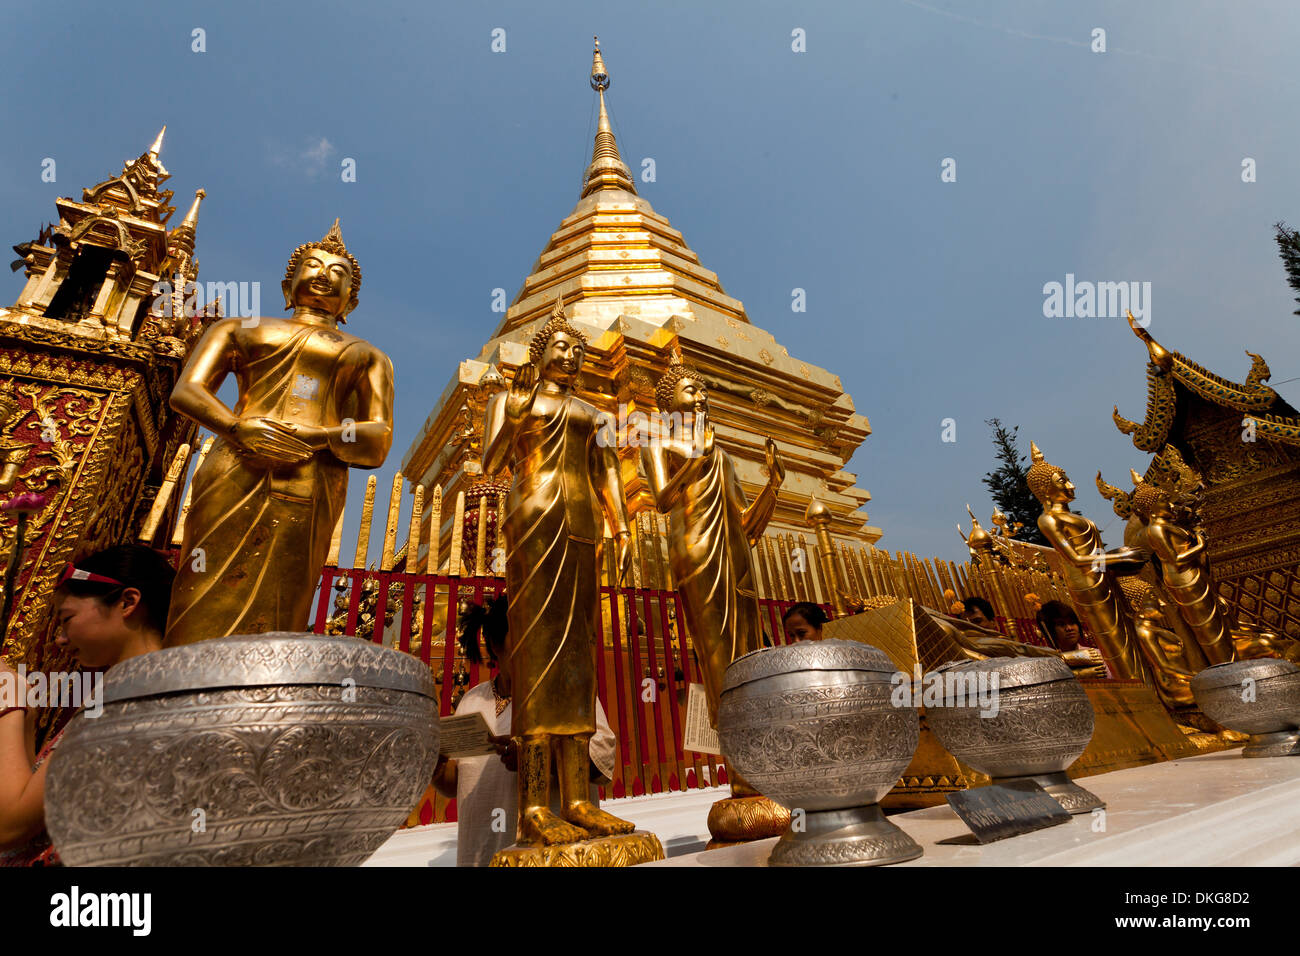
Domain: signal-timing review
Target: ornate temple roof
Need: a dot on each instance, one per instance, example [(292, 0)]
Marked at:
[(1272, 417)]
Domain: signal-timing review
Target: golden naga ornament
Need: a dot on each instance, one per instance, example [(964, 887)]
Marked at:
[(1090, 573), (711, 529), (313, 401), (564, 476)]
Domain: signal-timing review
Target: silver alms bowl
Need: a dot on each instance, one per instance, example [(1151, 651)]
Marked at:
[(1038, 723), (1257, 697), (812, 726), (268, 749)]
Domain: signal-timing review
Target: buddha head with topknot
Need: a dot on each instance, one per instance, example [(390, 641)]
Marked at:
[(681, 389), (1048, 483), (558, 348), (323, 277), (1148, 498)]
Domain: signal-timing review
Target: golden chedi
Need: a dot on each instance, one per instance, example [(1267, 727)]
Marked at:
[(711, 529), (313, 401), (565, 480)]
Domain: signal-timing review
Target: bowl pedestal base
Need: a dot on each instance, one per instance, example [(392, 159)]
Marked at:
[(859, 836), (1283, 743)]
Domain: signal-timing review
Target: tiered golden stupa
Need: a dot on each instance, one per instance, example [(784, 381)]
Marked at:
[(1242, 439), (88, 356), (637, 291)]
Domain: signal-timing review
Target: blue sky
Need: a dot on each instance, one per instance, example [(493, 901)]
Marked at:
[(817, 170)]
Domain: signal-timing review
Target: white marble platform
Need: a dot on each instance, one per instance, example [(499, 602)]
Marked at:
[(1212, 810)]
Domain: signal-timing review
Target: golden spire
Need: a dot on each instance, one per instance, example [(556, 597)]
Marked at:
[(156, 148), (192, 217), (1035, 455), (181, 239), (607, 169)]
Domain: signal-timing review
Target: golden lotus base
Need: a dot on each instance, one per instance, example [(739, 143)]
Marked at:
[(742, 819), (623, 849)]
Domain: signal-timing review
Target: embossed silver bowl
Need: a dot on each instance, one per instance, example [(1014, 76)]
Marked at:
[(270, 749), (1257, 697), (812, 726), (1016, 719)]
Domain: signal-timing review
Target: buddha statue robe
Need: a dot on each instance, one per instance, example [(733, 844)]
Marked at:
[(258, 531)]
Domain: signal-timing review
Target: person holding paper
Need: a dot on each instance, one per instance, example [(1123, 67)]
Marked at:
[(486, 788)]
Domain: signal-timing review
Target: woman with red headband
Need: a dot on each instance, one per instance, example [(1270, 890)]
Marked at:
[(109, 607)]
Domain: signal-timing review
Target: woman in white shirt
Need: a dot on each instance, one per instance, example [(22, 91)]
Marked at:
[(486, 788)]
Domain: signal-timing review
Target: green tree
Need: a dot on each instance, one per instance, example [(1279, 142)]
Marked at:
[(1009, 486), (1288, 247)]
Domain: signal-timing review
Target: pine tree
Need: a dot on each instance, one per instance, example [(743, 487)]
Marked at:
[(1288, 246), (1009, 486)]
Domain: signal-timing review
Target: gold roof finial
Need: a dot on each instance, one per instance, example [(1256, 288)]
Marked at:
[(607, 169), (1161, 357), (156, 148)]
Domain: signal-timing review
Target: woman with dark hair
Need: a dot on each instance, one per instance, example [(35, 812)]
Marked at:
[(803, 622), (486, 789), (1060, 625), (108, 607)]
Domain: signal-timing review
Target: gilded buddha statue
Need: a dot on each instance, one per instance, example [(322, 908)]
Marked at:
[(563, 479), (1090, 573), (313, 401), (711, 526), (711, 529), (1180, 550)]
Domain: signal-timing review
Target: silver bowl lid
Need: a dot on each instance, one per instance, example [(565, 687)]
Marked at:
[(259, 660), (1017, 671), (826, 655), (1234, 672)]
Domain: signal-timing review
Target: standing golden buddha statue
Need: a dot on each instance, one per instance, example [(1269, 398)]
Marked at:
[(313, 401), (711, 529), (563, 478), (1090, 573)]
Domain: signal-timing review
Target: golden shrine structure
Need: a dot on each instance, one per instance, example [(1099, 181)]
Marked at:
[(89, 353)]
